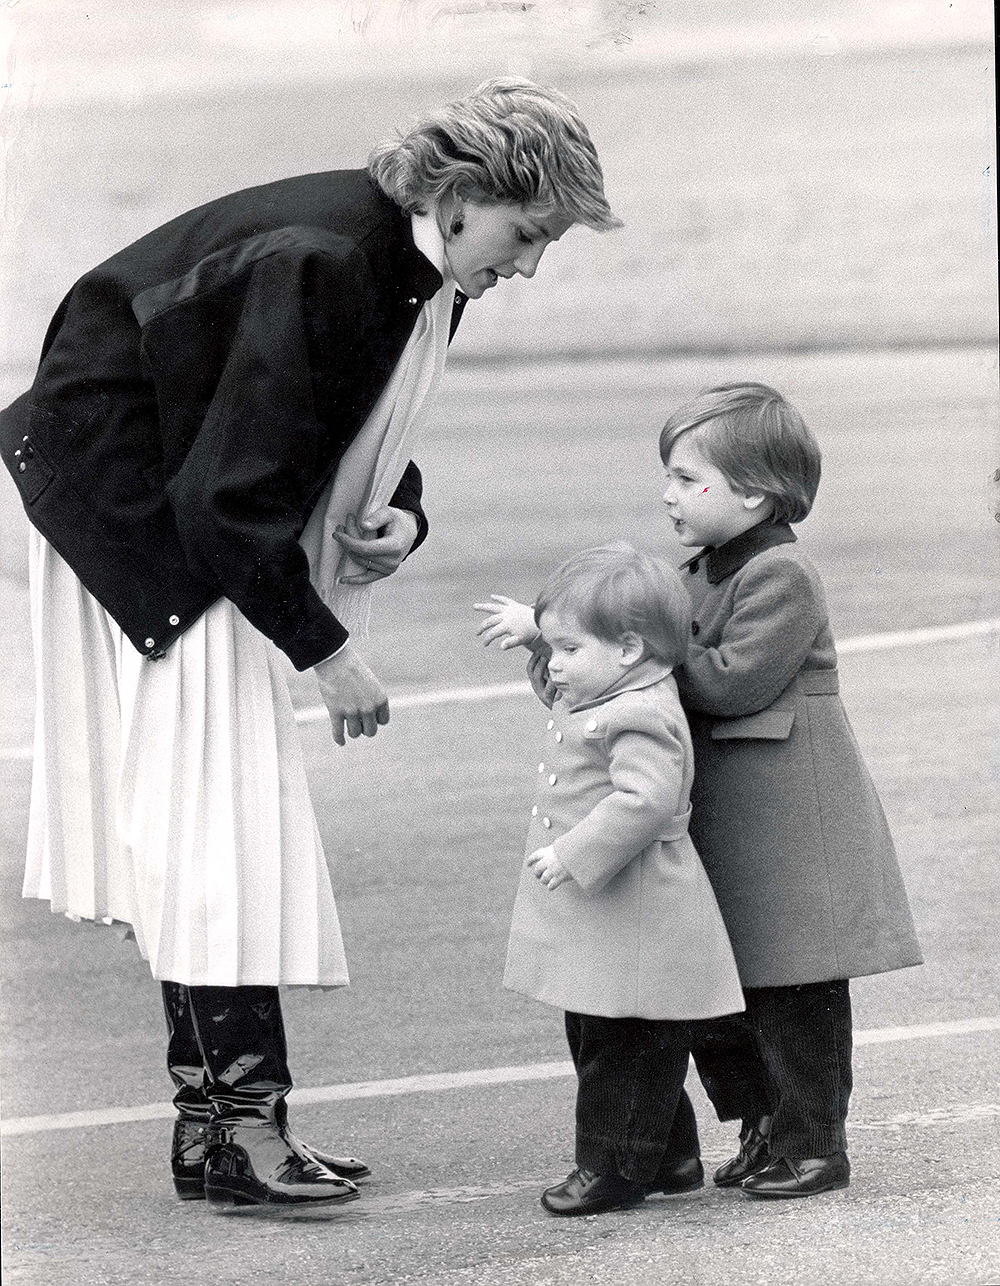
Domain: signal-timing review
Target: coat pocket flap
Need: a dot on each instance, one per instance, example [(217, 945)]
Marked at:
[(766, 725)]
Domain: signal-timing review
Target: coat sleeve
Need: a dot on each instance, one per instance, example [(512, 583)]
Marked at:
[(241, 491), (646, 770), (778, 612)]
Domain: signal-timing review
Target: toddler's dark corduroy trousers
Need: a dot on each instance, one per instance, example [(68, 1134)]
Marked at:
[(633, 1117)]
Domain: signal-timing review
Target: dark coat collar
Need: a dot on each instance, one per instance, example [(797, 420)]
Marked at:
[(722, 561)]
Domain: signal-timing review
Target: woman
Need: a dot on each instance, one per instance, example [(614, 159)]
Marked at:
[(214, 457)]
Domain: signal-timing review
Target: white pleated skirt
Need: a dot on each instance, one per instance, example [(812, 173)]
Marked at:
[(171, 795)]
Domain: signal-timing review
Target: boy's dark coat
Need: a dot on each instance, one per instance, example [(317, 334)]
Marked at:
[(196, 392), (785, 816)]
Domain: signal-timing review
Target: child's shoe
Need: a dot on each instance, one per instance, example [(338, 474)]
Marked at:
[(752, 1156), (586, 1193), (787, 1177)]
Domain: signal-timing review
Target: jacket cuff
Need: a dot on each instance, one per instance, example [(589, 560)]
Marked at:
[(317, 643)]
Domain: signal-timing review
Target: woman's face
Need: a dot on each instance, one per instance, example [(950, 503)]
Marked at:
[(498, 241)]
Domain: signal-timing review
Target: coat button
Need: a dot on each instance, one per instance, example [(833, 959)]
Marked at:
[(29, 451), (534, 811), (592, 725), (412, 299), (553, 779), (21, 467), (695, 628), (551, 724), (541, 767), (175, 620), (151, 642), (559, 736), (546, 822)]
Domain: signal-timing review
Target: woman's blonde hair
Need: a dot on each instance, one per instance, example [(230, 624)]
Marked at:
[(508, 142), (757, 440), (614, 590)]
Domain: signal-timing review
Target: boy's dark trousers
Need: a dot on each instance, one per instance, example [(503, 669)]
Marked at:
[(633, 1117), (787, 1057)]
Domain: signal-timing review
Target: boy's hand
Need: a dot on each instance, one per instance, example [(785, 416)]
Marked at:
[(510, 621), (538, 676), (379, 543), (545, 866)]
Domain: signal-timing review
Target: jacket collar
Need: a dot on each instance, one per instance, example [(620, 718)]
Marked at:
[(642, 675), (723, 560)]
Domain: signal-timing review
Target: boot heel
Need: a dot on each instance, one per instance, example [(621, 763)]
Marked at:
[(189, 1189)]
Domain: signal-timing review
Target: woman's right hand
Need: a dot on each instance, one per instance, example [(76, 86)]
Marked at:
[(354, 697), (510, 621)]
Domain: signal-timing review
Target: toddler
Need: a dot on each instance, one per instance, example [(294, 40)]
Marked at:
[(615, 921)]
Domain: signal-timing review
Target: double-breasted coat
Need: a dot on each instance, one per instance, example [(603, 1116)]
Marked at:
[(785, 815), (198, 390), (637, 931)]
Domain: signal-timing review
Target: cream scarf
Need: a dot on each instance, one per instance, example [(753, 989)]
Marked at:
[(373, 464)]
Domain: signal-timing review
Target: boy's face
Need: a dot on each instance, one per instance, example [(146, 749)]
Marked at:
[(703, 507), (582, 666)]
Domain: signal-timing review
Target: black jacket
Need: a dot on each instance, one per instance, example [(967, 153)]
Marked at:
[(197, 391)]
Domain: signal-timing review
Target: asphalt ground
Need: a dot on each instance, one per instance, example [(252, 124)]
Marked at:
[(424, 827)]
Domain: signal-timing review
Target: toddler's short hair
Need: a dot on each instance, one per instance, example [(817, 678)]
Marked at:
[(757, 440), (614, 590)]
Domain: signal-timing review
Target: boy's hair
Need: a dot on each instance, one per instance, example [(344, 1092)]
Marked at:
[(508, 142), (757, 440), (614, 590)]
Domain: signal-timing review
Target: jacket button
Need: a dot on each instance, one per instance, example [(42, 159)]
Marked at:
[(151, 642), (695, 628), (21, 467), (412, 299), (29, 451), (541, 767), (553, 779), (592, 725), (546, 822), (551, 724), (559, 736), (534, 811), (175, 620)]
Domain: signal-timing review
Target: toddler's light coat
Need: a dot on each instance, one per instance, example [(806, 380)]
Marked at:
[(637, 932)]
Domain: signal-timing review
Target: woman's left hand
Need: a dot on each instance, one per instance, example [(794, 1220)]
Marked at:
[(379, 542)]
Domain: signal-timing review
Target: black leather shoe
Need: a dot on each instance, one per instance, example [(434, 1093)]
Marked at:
[(586, 1193), (787, 1177), (261, 1164), (686, 1176), (752, 1156)]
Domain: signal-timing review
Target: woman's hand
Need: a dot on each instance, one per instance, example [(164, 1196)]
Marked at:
[(379, 543), (510, 621), (545, 866), (354, 697)]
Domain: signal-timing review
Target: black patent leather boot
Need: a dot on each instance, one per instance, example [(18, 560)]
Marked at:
[(187, 1071), (253, 1159)]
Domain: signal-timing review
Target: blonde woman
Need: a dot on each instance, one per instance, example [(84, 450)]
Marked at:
[(215, 457)]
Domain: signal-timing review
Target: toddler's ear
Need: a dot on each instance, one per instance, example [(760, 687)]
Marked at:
[(632, 648)]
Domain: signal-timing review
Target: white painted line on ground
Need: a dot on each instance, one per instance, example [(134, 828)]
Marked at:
[(439, 1082), (846, 647), (496, 691)]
